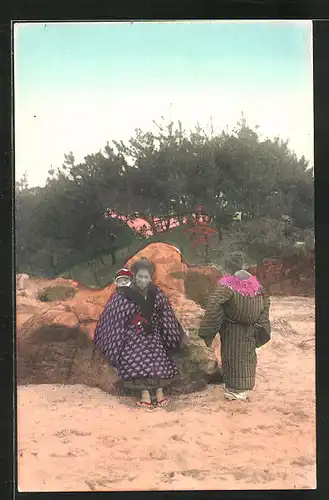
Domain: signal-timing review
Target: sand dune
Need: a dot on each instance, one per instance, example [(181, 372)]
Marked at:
[(74, 438)]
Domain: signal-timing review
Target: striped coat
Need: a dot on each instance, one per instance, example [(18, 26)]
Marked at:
[(242, 319)]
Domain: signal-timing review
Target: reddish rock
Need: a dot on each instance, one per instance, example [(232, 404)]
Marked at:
[(33, 306), (58, 314), (21, 281), (102, 296), (54, 345), (26, 308), (21, 319), (30, 287), (188, 312), (291, 276), (86, 310), (58, 354), (211, 272), (200, 282), (89, 328)]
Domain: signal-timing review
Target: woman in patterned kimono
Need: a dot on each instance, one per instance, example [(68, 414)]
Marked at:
[(239, 310), (136, 332)]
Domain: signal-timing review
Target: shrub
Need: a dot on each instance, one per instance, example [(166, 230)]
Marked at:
[(53, 293)]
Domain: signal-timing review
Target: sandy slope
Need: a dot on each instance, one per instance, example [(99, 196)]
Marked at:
[(76, 438)]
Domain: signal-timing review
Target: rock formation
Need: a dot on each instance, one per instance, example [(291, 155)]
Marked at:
[(60, 354), (168, 261), (54, 340), (289, 276)]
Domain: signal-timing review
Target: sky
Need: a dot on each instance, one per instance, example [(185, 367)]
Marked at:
[(79, 85)]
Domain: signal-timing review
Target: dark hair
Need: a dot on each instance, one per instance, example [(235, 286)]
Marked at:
[(234, 262), (142, 263)]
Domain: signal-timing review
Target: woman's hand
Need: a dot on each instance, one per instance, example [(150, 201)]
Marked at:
[(208, 342), (185, 336)]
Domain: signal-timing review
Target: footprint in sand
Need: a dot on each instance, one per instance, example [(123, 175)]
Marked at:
[(105, 482), (207, 433), (239, 474), (167, 424), (157, 453), (168, 477), (246, 430), (111, 440), (261, 427), (64, 433), (202, 445), (195, 473), (240, 410), (300, 416), (260, 476), (303, 461), (177, 437), (78, 452), (199, 474)]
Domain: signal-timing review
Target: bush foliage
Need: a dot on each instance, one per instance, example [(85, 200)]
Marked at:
[(258, 193), (53, 293)]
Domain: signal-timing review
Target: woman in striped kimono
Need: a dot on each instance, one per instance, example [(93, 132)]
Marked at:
[(239, 310)]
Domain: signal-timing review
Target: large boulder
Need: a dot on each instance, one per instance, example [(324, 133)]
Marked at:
[(26, 308), (59, 314), (55, 340), (31, 287), (187, 311), (59, 354), (199, 282), (197, 365), (87, 303)]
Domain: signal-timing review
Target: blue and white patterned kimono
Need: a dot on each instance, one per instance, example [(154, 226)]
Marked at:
[(136, 334)]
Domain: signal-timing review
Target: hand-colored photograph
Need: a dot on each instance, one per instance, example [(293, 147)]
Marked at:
[(165, 255)]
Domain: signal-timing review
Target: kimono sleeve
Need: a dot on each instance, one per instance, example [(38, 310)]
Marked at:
[(172, 331), (110, 332), (214, 315), (263, 325)]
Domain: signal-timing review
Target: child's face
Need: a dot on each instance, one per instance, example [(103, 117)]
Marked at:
[(123, 281)]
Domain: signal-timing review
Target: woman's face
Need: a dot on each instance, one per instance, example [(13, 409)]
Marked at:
[(143, 278)]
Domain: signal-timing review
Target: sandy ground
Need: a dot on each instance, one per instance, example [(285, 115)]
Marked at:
[(73, 438)]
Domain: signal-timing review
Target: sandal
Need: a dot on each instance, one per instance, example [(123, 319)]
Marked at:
[(145, 404), (163, 402), (231, 395)]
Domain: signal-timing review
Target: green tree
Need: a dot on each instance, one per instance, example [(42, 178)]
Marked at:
[(163, 176)]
